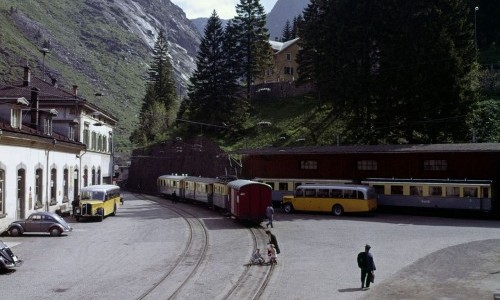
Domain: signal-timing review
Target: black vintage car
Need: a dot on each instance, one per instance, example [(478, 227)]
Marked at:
[(7, 259)]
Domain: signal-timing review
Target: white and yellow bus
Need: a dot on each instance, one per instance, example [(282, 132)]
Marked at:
[(98, 201), (334, 198)]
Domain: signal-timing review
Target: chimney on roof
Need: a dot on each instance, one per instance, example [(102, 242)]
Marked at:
[(34, 108), (54, 82), (75, 90), (27, 75)]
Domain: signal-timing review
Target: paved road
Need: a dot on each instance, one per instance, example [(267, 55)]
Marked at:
[(417, 257)]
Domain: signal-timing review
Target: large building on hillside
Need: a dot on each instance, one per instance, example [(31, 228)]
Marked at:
[(284, 64), (52, 142)]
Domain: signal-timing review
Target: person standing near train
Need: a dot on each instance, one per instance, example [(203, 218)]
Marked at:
[(270, 215), (273, 240)]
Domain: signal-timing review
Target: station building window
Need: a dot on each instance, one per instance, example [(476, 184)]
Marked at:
[(38, 188), (308, 165), (65, 185), (367, 165), (53, 186), (2, 189), (435, 165)]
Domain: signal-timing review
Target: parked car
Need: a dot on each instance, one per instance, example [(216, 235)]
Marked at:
[(7, 259), (40, 222)]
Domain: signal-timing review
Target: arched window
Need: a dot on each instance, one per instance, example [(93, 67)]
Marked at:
[(38, 188), (53, 186), (65, 185), (2, 191)]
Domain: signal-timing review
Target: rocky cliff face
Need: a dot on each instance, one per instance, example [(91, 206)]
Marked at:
[(101, 45)]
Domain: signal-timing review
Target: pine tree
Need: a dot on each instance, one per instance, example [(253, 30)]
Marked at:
[(159, 101), (207, 86), (253, 40), (295, 26), (286, 32)]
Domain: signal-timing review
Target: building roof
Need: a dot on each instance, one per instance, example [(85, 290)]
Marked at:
[(430, 148), (281, 46), (47, 92)]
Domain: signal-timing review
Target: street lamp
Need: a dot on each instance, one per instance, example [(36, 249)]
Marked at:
[(475, 26), (44, 51)]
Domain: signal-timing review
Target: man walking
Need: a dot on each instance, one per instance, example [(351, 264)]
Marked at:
[(367, 266), (270, 215)]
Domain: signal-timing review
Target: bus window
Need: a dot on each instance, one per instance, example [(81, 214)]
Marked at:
[(452, 191), (283, 186), (435, 191), (396, 190), (361, 195), (271, 184), (470, 192), (299, 193), (350, 194), (416, 190), (334, 193), (310, 193), (323, 193)]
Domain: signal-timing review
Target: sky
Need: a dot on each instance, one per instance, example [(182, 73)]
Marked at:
[(224, 8)]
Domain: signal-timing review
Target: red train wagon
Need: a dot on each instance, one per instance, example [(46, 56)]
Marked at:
[(248, 199)]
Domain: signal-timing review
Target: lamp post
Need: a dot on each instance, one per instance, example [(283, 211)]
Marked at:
[(44, 51), (475, 27)]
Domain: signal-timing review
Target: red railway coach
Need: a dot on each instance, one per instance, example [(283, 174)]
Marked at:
[(248, 199)]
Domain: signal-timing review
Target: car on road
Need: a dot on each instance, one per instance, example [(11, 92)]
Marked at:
[(48, 222), (7, 259)]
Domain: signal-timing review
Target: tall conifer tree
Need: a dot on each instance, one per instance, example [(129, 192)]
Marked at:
[(253, 40), (160, 98)]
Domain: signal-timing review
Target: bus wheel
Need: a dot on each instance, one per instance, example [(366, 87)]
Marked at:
[(101, 217), (337, 210), (288, 208)]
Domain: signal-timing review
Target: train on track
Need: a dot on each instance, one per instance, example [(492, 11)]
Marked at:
[(444, 194), (244, 199)]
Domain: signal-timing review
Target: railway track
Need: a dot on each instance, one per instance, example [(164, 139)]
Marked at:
[(253, 281), (186, 265), (250, 284)]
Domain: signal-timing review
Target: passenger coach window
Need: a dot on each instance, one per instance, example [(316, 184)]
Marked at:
[(416, 190), (452, 191), (283, 186), (435, 191), (486, 192), (379, 189), (470, 192), (396, 190)]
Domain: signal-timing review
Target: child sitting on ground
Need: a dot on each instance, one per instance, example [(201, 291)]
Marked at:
[(271, 253), (257, 257)]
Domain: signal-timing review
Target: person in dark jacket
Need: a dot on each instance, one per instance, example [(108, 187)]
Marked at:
[(273, 240), (367, 268)]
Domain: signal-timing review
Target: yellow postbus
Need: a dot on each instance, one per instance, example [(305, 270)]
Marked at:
[(334, 198), (98, 201)]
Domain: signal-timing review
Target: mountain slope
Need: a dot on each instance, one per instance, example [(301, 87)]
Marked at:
[(101, 46), (283, 10)]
